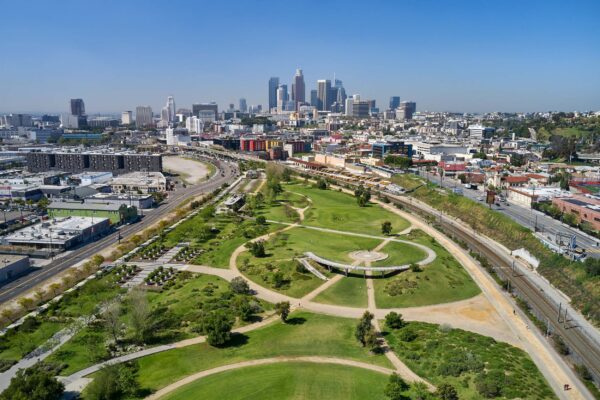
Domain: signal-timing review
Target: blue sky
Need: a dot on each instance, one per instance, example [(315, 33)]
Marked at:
[(467, 56)]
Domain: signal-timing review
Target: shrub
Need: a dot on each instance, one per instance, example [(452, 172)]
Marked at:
[(394, 320), (407, 335)]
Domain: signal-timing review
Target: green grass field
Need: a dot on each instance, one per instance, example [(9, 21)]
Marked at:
[(400, 254), (285, 246), (442, 281), (287, 381), (457, 357), (305, 334), (350, 291), (87, 347), (336, 210)]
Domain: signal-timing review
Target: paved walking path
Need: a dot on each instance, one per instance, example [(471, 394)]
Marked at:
[(265, 361)]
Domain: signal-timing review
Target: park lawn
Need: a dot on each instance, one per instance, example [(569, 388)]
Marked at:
[(287, 381), (400, 254), (217, 251), (350, 291), (336, 210), (284, 247), (19, 342), (436, 348), (305, 334), (87, 347), (278, 210), (442, 281)]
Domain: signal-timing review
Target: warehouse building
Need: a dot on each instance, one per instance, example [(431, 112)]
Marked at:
[(117, 163), (13, 266)]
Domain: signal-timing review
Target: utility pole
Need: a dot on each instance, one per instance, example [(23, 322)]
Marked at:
[(559, 311)]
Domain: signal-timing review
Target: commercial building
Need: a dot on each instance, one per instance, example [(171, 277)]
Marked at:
[(298, 88), (361, 109), (12, 266), (252, 144), (59, 234), (585, 208), (77, 107), (61, 209), (143, 117), (16, 120), (273, 85), (406, 110), (127, 117), (394, 102), (381, 149), (324, 99), (139, 201), (196, 108), (480, 132), (117, 163), (139, 182)]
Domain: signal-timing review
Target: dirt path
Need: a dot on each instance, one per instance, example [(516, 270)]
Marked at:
[(265, 361), (550, 364)]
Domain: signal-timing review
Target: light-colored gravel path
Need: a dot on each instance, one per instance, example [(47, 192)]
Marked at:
[(265, 361)]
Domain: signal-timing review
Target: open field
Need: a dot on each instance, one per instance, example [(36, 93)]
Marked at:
[(350, 291), (190, 171), (305, 334), (442, 281), (284, 247), (461, 358), (400, 254), (336, 210), (293, 380)]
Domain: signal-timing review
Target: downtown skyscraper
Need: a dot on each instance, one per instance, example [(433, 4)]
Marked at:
[(273, 85), (298, 88), (77, 107), (324, 93)]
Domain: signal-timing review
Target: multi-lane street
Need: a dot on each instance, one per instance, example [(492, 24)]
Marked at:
[(225, 173), (530, 218)]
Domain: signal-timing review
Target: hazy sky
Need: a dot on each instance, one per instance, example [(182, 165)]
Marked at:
[(445, 55)]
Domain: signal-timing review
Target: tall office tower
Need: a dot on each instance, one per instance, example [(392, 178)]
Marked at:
[(314, 98), (126, 117), (164, 116), (394, 102), (282, 97), (407, 109), (77, 107), (348, 106), (243, 105), (298, 88), (273, 85), (171, 109), (360, 109), (212, 106), (143, 116), (324, 94)]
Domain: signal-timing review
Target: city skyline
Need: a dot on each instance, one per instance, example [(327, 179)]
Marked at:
[(462, 58)]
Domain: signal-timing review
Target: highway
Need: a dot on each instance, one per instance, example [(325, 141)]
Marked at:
[(529, 218), (225, 173)]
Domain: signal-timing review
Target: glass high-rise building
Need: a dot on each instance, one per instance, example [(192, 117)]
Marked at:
[(394, 102), (324, 99), (77, 107), (298, 88), (273, 85)]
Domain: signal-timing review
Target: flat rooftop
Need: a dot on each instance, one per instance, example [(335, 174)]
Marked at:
[(57, 230)]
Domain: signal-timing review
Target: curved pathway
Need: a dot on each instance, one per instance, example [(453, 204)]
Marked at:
[(265, 361)]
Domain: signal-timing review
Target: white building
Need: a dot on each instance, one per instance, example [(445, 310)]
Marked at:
[(194, 125), (143, 116), (126, 117)]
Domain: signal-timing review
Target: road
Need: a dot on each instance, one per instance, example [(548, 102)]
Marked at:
[(530, 218), (225, 173)]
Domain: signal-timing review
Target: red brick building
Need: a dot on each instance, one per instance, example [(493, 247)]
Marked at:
[(585, 208)]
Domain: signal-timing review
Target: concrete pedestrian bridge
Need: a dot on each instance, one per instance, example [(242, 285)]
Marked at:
[(369, 256)]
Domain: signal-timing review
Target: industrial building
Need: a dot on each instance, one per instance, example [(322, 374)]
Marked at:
[(12, 266), (58, 234)]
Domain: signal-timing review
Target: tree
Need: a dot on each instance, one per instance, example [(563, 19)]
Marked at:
[(386, 227), (242, 308), (112, 319), (395, 388), (257, 248), (55, 287), (239, 285), (445, 391), (321, 184), (260, 220), (398, 161), (363, 327), (26, 302), (489, 385), (283, 310), (363, 196), (35, 383), (278, 279), (393, 320), (420, 390), (217, 326), (140, 313), (114, 381)]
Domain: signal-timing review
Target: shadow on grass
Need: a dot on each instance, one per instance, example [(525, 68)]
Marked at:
[(296, 321)]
